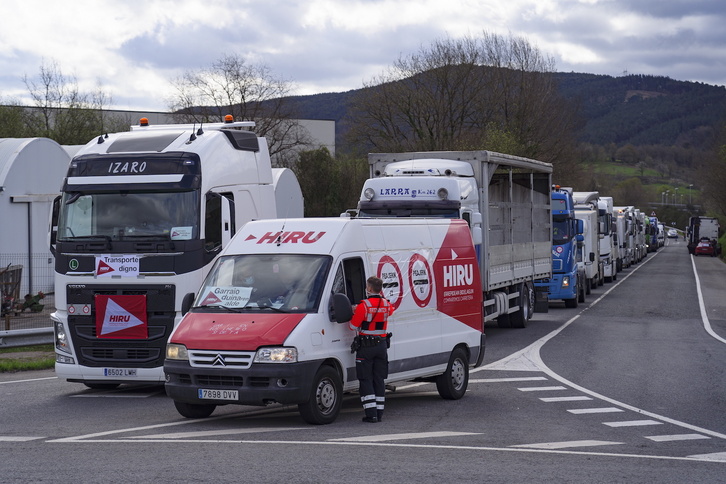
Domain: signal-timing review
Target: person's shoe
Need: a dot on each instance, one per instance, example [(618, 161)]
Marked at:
[(370, 419)]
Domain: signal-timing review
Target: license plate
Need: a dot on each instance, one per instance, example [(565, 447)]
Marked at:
[(120, 372), (207, 394)]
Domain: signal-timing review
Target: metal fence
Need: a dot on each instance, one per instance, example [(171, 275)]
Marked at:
[(38, 271), (27, 290)]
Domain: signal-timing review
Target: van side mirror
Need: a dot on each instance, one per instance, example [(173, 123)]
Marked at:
[(187, 303), (341, 307)]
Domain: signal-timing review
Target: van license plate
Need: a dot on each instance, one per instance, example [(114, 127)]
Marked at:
[(207, 394), (120, 372)]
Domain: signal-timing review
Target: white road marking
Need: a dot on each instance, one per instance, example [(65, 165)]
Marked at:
[(540, 389), (578, 398), (567, 445), (31, 379), (702, 305), (390, 437), (10, 438), (673, 438), (578, 411), (632, 423), (211, 433), (504, 380), (529, 359), (717, 457)]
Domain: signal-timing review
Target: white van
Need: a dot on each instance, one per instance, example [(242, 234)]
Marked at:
[(269, 324)]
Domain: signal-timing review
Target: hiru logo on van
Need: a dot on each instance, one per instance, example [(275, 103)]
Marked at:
[(117, 167), (293, 237), (458, 275)]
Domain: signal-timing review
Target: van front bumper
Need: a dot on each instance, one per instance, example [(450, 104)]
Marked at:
[(260, 384)]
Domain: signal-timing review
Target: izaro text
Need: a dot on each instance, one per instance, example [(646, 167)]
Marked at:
[(127, 167)]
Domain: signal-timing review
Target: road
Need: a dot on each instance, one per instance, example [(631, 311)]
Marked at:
[(628, 387)]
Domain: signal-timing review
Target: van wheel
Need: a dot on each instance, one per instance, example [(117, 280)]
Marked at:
[(326, 398), (193, 410), (452, 384), (523, 314)]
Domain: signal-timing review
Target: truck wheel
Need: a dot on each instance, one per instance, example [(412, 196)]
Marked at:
[(588, 286), (326, 398), (571, 303), (193, 410), (580, 291), (453, 382), (524, 313)]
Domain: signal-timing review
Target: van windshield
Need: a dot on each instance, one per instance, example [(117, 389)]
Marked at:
[(260, 282)]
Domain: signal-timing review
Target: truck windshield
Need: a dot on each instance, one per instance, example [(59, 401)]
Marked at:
[(561, 231), (129, 214), (257, 282)]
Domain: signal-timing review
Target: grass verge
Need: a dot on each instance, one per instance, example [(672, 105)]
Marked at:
[(38, 357)]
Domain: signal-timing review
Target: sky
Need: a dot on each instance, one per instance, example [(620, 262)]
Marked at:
[(133, 49)]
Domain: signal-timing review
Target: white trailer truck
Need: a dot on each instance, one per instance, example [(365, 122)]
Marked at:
[(588, 256), (142, 216), (505, 200)]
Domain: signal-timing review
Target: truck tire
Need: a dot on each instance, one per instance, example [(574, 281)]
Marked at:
[(194, 410), (452, 384), (524, 313), (580, 290), (326, 398), (571, 303)]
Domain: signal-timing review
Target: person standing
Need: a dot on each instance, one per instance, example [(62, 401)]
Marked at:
[(370, 320)]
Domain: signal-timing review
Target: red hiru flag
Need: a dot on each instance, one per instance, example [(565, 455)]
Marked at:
[(121, 317)]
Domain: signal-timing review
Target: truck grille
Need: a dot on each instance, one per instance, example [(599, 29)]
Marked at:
[(220, 359)]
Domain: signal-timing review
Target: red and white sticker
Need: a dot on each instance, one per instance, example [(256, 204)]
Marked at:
[(117, 265), (121, 317)]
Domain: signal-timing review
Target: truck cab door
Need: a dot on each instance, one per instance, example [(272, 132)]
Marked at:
[(53, 230), (218, 224)]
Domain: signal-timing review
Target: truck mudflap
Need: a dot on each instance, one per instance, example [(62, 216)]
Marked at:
[(258, 385)]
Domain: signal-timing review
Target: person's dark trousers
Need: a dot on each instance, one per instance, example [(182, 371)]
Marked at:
[(371, 366)]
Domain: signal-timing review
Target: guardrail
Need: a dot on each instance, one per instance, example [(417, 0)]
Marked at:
[(26, 337)]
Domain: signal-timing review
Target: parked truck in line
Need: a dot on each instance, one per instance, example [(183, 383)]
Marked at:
[(505, 200), (703, 234), (568, 277), (142, 217), (588, 254), (269, 325)]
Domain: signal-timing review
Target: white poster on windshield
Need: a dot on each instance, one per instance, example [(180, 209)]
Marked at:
[(231, 297), (117, 265)]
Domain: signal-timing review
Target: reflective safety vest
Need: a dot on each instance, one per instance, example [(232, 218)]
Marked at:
[(375, 322)]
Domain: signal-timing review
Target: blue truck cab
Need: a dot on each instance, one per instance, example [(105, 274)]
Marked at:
[(566, 282)]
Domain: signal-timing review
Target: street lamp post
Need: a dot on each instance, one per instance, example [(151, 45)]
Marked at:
[(690, 190), (675, 197)]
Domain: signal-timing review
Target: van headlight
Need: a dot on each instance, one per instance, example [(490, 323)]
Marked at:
[(176, 352), (276, 355)]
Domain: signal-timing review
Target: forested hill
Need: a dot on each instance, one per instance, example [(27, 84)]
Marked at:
[(632, 109)]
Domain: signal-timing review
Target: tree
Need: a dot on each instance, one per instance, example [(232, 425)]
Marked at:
[(469, 93), (61, 111), (12, 123), (249, 92)]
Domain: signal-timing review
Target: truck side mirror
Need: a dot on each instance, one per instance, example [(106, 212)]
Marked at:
[(592, 257), (580, 238), (53, 232), (187, 302), (580, 227), (342, 310)]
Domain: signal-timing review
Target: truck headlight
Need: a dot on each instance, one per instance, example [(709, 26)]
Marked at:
[(566, 281), (176, 352), (276, 355), (61, 338)]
